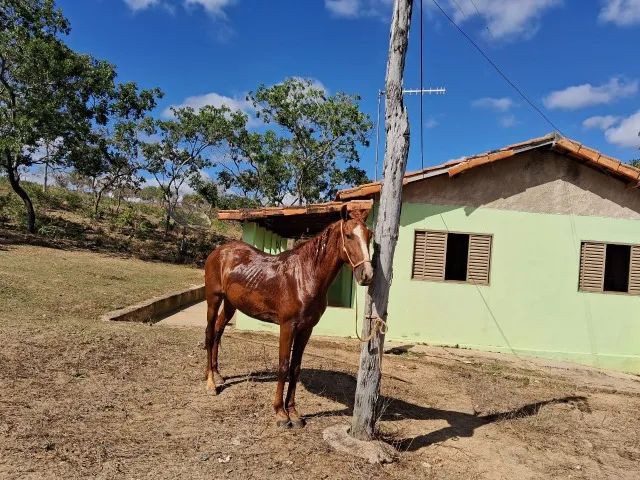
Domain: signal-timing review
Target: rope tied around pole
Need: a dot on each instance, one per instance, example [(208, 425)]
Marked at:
[(379, 325)]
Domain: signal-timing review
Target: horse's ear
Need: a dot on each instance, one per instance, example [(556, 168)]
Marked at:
[(344, 213)]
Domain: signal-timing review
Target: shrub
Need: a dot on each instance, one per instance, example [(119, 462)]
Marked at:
[(127, 218)]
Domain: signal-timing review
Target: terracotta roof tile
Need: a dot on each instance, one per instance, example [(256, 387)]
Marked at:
[(319, 208), (575, 150)]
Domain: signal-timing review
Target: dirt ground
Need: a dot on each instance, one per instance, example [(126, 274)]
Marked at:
[(81, 398)]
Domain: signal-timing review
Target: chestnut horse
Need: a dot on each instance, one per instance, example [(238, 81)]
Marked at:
[(289, 289)]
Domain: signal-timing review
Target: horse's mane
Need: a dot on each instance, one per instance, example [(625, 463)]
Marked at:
[(314, 246)]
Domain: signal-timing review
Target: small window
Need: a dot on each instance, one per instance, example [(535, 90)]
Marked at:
[(457, 257), (610, 267), (616, 268)]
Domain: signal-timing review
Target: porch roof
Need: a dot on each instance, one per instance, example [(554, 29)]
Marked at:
[(295, 221)]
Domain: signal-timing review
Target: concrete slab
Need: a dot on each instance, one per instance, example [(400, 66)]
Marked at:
[(193, 316)]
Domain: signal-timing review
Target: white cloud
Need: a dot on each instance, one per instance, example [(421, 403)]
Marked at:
[(214, 7), (601, 122), (505, 20), (625, 133), (198, 101), (508, 121), (431, 123), (315, 83), (136, 5), (343, 8), (621, 12), (586, 95), (359, 8), (502, 104)]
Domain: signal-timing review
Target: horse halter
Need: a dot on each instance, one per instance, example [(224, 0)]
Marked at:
[(344, 247)]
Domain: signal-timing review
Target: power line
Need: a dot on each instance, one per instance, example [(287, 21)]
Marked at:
[(497, 68), (480, 15), (421, 90), (464, 15)]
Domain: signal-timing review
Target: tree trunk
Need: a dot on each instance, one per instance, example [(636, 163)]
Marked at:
[(12, 174), (119, 200), (96, 203), (365, 410), (167, 220)]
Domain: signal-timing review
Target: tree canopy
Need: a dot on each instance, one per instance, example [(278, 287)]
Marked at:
[(307, 150), (186, 145), (51, 95)]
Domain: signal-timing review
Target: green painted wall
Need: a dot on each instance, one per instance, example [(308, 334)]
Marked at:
[(532, 305), (340, 291)]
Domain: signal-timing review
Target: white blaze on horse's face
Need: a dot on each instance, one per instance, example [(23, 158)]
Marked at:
[(364, 271)]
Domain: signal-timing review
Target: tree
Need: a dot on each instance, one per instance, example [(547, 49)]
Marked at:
[(314, 152), (151, 194), (186, 146), (48, 93), (257, 166), (217, 198), (636, 162), (110, 155), (366, 406)]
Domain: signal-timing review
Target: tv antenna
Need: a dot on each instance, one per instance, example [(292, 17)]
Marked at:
[(408, 91)]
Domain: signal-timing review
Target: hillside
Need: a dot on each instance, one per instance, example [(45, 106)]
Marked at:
[(131, 227)]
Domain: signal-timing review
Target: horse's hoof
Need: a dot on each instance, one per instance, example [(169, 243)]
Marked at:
[(299, 423), (284, 424), (218, 379), (213, 391)]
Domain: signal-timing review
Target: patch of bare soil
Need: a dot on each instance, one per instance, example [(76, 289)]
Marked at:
[(81, 398)]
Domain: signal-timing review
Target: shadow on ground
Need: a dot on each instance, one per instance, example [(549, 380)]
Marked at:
[(340, 387)]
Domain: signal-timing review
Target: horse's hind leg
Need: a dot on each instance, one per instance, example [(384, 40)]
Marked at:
[(226, 314), (213, 305)]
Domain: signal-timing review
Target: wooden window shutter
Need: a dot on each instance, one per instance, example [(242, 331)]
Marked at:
[(634, 271), (479, 260), (592, 260), (429, 252)]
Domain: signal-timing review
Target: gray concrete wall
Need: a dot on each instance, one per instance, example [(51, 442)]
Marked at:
[(534, 181), (156, 308)]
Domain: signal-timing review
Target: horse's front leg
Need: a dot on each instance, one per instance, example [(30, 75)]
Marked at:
[(299, 344), (286, 339), (213, 304)]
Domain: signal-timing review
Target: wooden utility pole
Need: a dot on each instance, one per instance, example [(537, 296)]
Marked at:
[(365, 409)]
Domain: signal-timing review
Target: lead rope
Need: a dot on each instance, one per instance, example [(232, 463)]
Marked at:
[(379, 325)]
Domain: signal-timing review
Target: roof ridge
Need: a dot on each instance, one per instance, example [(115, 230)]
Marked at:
[(457, 166)]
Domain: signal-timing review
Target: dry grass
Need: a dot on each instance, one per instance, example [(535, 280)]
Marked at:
[(81, 398)]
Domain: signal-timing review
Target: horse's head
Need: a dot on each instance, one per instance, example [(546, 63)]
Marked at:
[(355, 239)]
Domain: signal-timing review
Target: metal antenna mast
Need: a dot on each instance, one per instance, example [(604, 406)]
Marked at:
[(410, 91)]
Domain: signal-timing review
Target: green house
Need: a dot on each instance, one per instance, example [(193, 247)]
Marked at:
[(533, 248)]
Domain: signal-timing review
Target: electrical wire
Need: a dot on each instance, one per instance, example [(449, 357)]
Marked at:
[(421, 88), (464, 14), (498, 69), (480, 15)]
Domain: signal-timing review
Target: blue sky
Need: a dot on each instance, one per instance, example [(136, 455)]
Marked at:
[(577, 60)]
